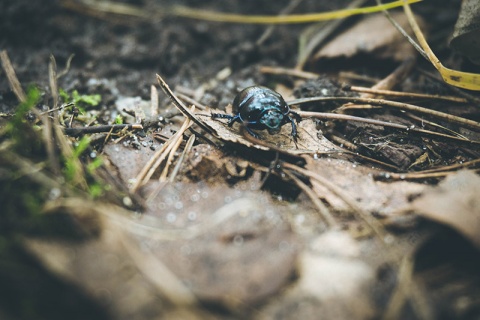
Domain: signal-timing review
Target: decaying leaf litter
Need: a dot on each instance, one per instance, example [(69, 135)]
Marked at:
[(194, 219)]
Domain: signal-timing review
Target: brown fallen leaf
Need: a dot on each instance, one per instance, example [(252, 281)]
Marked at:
[(455, 202), (373, 34), (310, 139), (128, 160), (229, 247), (334, 282), (466, 35), (356, 182)]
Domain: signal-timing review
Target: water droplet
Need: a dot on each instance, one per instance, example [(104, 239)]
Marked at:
[(238, 240), (299, 219), (315, 156), (93, 154), (195, 197), (270, 214), (127, 201), (387, 175), (389, 239), (178, 205), (205, 194), (402, 177), (171, 217), (54, 194), (192, 216)]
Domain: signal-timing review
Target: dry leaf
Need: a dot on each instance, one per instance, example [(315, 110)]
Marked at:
[(341, 284), (310, 140), (231, 247), (334, 283), (357, 183), (454, 202), (466, 36), (373, 34), (128, 160)]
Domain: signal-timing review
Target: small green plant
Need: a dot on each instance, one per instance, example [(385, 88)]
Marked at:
[(81, 101), (17, 122), (118, 119), (73, 169), (72, 163)]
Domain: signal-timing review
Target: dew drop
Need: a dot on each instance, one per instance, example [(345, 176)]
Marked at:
[(171, 217), (299, 219), (178, 205), (192, 216), (127, 201), (238, 240), (54, 194)]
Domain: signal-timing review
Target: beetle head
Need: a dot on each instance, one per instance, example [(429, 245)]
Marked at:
[(272, 119)]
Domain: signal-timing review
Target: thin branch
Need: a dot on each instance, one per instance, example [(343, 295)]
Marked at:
[(103, 128), (393, 104), (335, 116), (411, 95), (365, 216), (12, 77), (181, 107), (327, 216), (180, 160)]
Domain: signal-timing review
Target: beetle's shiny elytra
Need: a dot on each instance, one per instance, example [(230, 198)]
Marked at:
[(261, 108)]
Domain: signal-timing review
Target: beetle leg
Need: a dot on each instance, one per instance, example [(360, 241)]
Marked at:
[(294, 129), (221, 116), (297, 117), (233, 119), (253, 134)]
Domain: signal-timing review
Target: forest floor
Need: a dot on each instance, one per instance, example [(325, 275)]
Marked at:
[(115, 205)]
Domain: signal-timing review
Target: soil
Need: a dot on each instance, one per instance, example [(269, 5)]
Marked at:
[(233, 235)]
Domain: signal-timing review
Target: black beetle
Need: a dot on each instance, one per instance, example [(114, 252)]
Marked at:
[(261, 108)]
